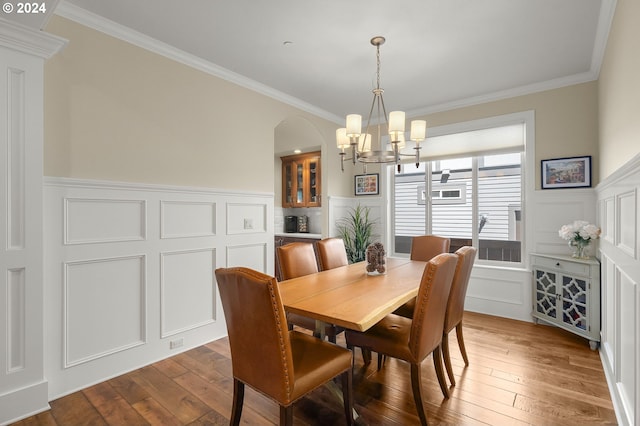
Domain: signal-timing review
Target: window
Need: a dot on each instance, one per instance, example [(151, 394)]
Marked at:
[(475, 199)]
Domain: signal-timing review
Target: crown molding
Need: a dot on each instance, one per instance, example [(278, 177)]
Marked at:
[(27, 40), (98, 23), (106, 26)]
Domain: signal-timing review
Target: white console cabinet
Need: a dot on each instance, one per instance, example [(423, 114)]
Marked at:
[(566, 293)]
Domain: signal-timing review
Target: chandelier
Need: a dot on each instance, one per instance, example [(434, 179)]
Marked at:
[(352, 137)]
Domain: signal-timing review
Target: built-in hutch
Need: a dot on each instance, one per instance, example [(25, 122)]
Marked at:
[(301, 185)]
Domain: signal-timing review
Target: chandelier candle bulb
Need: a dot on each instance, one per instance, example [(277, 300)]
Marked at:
[(364, 143), (418, 130), (342, 139), (396, 121), (354, 125)]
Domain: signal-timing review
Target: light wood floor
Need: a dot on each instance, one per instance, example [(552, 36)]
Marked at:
[(519, 373)]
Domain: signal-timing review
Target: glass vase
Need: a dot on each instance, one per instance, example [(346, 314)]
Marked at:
[(579, 249)]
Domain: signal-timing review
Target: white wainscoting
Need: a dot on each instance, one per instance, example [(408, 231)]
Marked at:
[(129, 272), (618, 216)]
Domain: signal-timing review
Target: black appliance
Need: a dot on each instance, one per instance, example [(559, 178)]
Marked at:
[(291, 224)]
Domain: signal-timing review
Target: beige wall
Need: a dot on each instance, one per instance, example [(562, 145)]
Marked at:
[(619, 90), (114, 111)]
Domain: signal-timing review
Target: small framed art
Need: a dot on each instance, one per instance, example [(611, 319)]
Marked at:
[(571, 172), (367, 184)]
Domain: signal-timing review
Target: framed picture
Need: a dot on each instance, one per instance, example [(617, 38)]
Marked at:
[(572, 172), (367, 184)]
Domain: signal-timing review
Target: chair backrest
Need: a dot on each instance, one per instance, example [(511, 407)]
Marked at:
[(296, 260), (455, 306), (260, 348), (431, 304), (332, 253), (426, 247)]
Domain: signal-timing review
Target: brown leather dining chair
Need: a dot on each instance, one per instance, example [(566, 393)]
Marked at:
[(424, 248), (284, 365), (455, 306), (331, 253), (297, 260), (413, 340)]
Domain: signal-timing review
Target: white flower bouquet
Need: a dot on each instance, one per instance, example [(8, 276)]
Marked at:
[(579, 234)]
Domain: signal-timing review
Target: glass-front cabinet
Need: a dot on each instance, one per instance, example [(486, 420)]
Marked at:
[(301, 185), (566, 293)]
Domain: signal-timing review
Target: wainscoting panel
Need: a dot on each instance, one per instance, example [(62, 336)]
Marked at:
[(129, 272), (16, 315), (187, 219), (252, 256), (627, 338), (620, 280), (187, 290), (626, 235), (104, 220), (104, 309), (246, 218)]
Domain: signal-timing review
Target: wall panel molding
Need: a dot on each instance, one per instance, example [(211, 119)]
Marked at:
[(147, 252), (104, 220), (184, 219), (104, 307), (187, 285), (620, 280)]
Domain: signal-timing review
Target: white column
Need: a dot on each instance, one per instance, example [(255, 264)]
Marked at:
[(23, 387)]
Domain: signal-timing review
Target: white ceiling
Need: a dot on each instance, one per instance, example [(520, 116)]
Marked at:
[(439, 53)]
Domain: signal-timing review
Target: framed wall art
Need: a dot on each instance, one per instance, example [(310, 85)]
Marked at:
[(571, 172), (367, 184)]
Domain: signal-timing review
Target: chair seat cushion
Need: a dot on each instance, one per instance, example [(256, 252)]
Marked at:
[(407, 309), (389, 337), (310, 324), (315, 362)]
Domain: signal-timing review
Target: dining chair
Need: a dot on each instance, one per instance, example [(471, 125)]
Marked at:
[(413, 340), (424, 248), (281, 364), (331, 253), (455, 306), (297, 260)]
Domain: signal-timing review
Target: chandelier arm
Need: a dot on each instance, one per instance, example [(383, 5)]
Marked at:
[(366, 130)]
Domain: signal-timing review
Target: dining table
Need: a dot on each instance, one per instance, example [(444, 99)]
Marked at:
[(350, 297)]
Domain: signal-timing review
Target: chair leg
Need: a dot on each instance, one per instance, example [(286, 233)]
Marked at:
[(447, 358), (366, 355), (286, 415), (463, 350), (238, 398), (381, 360), (416, 385), (437, 362), (347, 395)]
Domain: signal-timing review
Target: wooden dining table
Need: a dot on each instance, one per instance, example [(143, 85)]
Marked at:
[(348, 297)]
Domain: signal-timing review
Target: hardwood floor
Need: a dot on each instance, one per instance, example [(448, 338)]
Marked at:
[(519, 373)]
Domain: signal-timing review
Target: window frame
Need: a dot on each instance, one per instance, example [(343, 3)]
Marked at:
[(528, 178)]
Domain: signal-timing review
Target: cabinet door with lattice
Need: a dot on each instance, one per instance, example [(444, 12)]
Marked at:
[(545, 293), (575, 303)]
